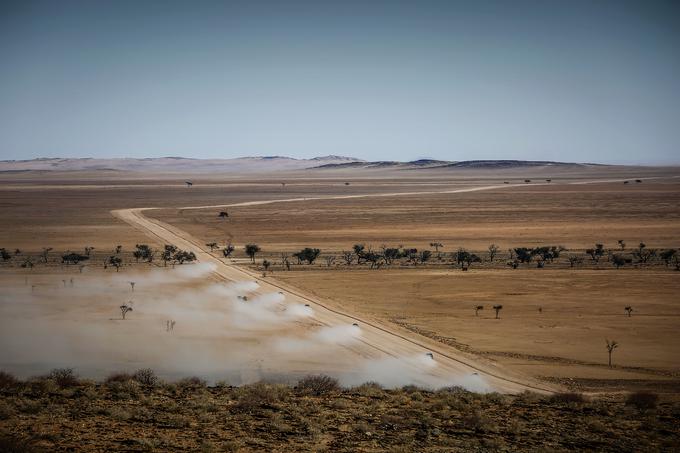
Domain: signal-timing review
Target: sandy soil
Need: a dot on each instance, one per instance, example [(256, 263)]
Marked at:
[(579, 310), (69, 213)]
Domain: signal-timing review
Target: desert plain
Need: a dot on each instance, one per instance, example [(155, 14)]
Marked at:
[(423, 317)]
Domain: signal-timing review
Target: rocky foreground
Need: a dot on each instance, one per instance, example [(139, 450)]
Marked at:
[(138, 413)]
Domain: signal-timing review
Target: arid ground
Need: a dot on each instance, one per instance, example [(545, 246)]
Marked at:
[(413, 319), (554, 321)]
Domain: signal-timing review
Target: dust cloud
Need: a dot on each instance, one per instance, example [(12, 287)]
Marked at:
[(185, 322)]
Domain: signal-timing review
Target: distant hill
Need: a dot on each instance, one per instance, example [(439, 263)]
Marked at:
[(443, 164), (255, 164), (259, 164)]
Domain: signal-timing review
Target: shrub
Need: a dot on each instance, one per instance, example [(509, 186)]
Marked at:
[(118, 377), (643, 400), (567, 397), (260, 395), (318, 385), (146, 376), (64, 377), (8, 381), (192, 382)]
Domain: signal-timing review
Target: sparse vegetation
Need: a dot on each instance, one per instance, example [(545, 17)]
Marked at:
[(264, 416)]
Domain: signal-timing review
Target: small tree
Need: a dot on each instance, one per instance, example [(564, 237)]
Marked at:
[(168, 252), (493, 250), (629, 310), (498, 309), (424, 256), (348, 257), (88, 250), (73, 258), (114, 261), (307, 254), (119, 248), (330, 259), (188, 183), (252, 250), (228, 250), (436, 246), (143, 251), (45, 253), (575, 260), (477, 308), (266, 265), (182, 256), (668, 255), (132, 286), (618, 260), (611, 345), (622, 244), (596, 253), (5, 255), (212, 245), (124, 309), (223, 215)]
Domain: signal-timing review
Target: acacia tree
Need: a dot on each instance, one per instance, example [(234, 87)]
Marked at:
[(643, 254), (169, 251), (359, 252), (596, 253), (629, 310), (212, 245), (223, 215), (348, 257), (498, 309), (88, 250), (228, 250), (622, 244), (493, 250), (4, 254), (114, 261), (668, 255), (252, 250), (143, 251), (266, 265), (307, 254), (124, 309), (575, 260), (45, 252), (477, 308), (611, 345)]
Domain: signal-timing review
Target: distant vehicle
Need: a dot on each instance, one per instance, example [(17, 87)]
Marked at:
[(355, 324), (188, 183), (626, 182), (638, 180), (306, 305)]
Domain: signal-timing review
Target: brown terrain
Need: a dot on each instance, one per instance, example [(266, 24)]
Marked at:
[(354, 322)]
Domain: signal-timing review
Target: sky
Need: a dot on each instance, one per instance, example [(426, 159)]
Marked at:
[(586, 81)]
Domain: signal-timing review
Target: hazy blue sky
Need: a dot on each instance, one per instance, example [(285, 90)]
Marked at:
[(595, 81)]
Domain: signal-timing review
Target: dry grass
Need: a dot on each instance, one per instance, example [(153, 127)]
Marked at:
[(273, 417)]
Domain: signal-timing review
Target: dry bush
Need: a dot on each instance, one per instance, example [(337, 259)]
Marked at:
[(146, 377), (192, 383), (31, 406), (369, 389), (64, 377), (260, 396), (317, 385), (8, 381), (118, 413), (567, 398), (476, 421), (643, 400), (118, 377), (124, 390)]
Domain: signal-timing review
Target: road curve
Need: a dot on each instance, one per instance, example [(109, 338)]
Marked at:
[(380, 339)]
